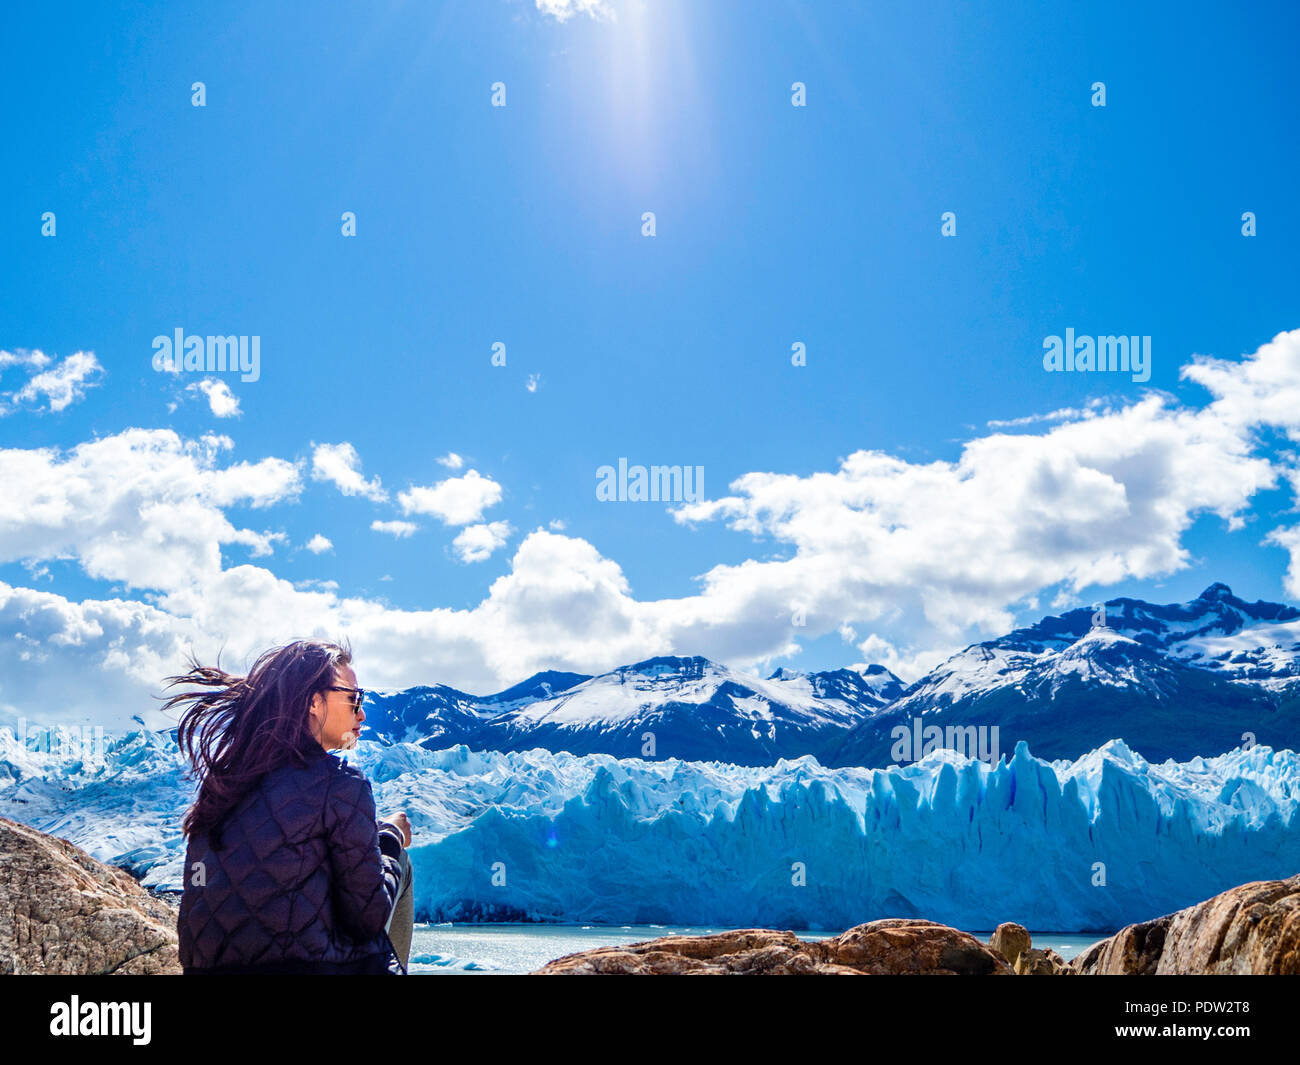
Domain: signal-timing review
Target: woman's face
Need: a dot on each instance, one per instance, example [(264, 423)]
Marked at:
[(337, 725)]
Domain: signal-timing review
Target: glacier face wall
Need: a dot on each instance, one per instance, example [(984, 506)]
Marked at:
[(593, 839), (1083, 846)]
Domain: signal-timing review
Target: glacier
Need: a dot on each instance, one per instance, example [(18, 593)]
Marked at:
[(1086, 845)]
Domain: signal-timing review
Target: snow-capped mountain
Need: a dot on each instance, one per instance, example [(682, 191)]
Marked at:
[(1258, 641), (1173, 680), (1066, 699), (445, 716), (694, 709)]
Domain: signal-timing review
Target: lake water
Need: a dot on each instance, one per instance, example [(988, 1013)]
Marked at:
[(484, 949)]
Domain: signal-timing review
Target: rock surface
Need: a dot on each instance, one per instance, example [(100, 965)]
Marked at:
[(1010, 940), (1034, 962), (886, 947), (1251, 929), (64, 912)]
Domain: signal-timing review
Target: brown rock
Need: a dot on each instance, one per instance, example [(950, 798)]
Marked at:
[(1134, 950), (1034, 962), (907, 945), (64, 912), (890, 946), (1010, 940), (1251, 929)]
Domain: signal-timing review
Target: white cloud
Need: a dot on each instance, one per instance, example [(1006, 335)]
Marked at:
[(96, 661), (452, 461), (341, 466), (533, 380), (35, 360), (919, 556), (319, 544), (563, 10), (254, 484), (222, 402), (1263, 389), (1063, 414), (1289, 539), (61, 385), (907, 666), (142, 507), (477, 542), (399, 529), (455, 501), (259, 544), (947, 546)]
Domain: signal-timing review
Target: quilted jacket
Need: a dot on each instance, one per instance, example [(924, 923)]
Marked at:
[(298, 878)]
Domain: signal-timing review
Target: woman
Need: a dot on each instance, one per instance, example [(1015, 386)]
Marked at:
[(287, 870)]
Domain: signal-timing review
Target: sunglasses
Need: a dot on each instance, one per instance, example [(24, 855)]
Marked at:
[(359, 695)]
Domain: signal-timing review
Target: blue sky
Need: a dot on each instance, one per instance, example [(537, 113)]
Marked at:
[(522, 224)]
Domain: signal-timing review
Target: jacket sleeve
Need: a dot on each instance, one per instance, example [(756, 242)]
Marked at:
[(366, 879), (391, 840)]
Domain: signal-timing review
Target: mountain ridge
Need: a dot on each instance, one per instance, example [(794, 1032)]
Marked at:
[(1177, 680)]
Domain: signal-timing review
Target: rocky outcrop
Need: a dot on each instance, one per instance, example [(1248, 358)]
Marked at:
[(1251, 929), (1010, 940), (1132, 951), (1034, 962), (886, 947), (64, 912)]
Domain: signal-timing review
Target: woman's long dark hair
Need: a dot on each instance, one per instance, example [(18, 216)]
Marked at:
[(244, 727)]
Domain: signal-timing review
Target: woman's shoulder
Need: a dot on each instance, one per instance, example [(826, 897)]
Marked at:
[(318, 770), (300, 768), (346, 777), (341, 775)]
